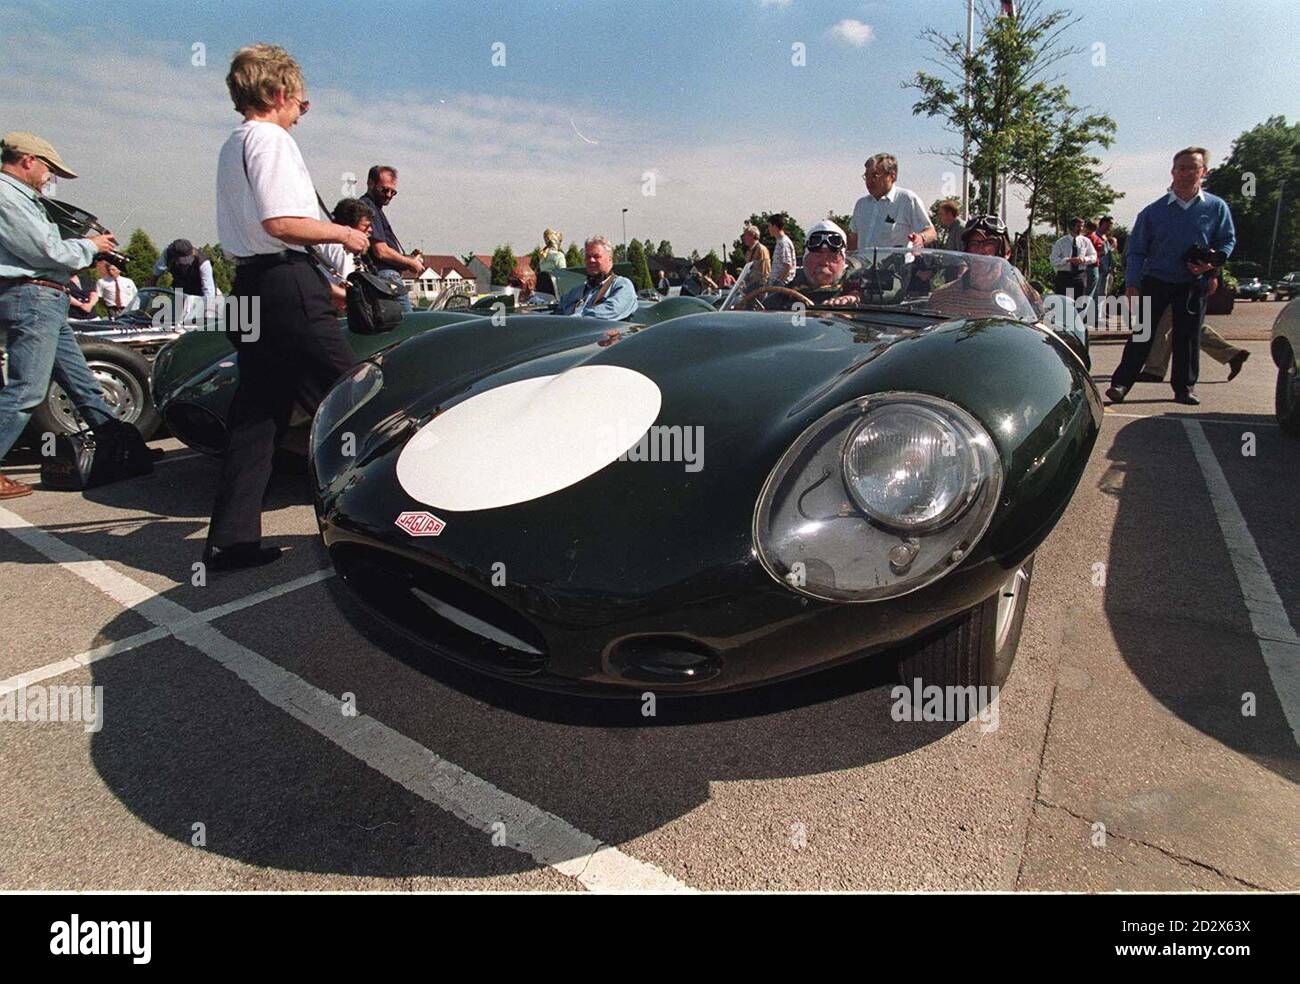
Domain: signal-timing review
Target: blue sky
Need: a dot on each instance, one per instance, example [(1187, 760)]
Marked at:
[(598, 101)]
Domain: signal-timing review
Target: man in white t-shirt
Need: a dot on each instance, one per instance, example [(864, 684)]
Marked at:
[(888, 215), (115, 288), (281, 322)]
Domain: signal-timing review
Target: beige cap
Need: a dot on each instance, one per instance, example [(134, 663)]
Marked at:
[(30, 143)]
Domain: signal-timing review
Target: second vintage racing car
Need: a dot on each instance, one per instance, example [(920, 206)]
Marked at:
[(718, 500)]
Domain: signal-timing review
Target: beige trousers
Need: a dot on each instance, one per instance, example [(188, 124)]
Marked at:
[(1212, 344)]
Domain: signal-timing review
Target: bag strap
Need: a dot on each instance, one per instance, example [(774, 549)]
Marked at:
[(315, 255)]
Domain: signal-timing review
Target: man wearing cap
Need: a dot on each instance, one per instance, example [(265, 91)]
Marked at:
[(282, 323), (987, 288), (36, 264), (191, 274)]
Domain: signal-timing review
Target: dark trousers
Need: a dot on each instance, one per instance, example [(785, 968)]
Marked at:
[(1186, 303), (293, 358), (1075, 280)]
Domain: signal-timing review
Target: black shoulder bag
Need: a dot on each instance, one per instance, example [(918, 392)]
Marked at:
[(373, 304)]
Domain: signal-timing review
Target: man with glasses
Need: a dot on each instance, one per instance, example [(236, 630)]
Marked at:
[(36, 265), (381, 188), (888, 215), (1158, 267)]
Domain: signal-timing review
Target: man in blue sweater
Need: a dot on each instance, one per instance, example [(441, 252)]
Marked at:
[(1156, 268)]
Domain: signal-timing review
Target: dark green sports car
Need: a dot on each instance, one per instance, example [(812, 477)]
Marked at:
[(722, 499)]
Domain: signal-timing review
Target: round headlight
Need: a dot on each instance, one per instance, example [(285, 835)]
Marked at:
[(878, 498), (909, 468)]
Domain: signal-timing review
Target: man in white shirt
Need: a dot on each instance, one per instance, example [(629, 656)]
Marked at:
[(282, 325), (783, 262), (888, 215), (115, 288), (1072, 254)]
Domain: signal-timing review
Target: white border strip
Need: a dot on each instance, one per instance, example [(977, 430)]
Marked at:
[(541, 835), (1277, 640)]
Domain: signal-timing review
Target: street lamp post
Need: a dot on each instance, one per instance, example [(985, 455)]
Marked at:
[(625, 231), (1276, 216), (965, 133)]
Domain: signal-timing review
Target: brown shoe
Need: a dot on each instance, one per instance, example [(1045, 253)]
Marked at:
[(1235, 364), (9, 489)]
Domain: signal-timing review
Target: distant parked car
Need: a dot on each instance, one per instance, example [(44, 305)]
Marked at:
[(1288, 287), (1254, 289)]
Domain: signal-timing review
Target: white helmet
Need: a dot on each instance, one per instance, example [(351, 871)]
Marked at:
[(825, 231)]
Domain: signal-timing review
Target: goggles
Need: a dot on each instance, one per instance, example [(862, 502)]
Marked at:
[(824, 239), (990, 225)]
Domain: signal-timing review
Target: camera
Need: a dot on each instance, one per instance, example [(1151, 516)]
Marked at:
[(1200, 253)]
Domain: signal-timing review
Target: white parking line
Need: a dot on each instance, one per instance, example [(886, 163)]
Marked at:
[(1184, 417), (130, 643), (1278, 642), (527, 828)]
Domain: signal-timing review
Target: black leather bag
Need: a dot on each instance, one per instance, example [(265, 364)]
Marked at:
[(374, 304), (108, 453)]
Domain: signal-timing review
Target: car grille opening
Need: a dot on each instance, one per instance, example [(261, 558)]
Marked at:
[(461, 620), (197, 426)]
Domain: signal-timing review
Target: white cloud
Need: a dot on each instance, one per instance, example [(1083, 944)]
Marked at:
[(854, 32)]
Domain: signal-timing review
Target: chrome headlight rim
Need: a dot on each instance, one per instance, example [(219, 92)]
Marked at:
[(990, 495)]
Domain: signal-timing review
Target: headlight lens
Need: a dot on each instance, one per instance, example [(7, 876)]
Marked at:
[(878, 498), (908, 467), (346, 398)]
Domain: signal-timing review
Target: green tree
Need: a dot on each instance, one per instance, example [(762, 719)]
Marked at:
[(665, 249), (1264, 166), (503, 264), (640, 268), (841, 219), (574, 257), (620, 253), (535, 258), (761, 219), (713, 263), (223, 268), (1009, 85), (143, 254)]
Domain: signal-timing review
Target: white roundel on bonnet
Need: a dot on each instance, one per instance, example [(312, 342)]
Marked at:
[(524, 440)]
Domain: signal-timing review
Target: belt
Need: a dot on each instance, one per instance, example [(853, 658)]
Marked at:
[(7, 282), (266, 259)]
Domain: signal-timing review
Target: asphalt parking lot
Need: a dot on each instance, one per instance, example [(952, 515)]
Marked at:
[(1145, 740)]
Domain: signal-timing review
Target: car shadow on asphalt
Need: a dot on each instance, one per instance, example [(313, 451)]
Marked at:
[(187, 740), (1171, 592)]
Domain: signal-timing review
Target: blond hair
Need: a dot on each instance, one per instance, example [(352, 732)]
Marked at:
[(258, 72)]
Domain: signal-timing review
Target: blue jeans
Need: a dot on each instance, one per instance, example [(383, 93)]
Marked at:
[(41, 344)]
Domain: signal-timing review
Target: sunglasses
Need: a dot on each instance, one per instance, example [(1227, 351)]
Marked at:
[(825, 240)]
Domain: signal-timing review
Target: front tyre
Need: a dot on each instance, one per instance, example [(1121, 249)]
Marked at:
[(976, 650), (1286, 399)]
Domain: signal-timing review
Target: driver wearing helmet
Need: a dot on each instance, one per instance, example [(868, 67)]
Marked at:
[(988, 288), (821, 278)]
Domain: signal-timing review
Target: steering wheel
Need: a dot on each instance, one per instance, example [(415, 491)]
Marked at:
[(744, 302)]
